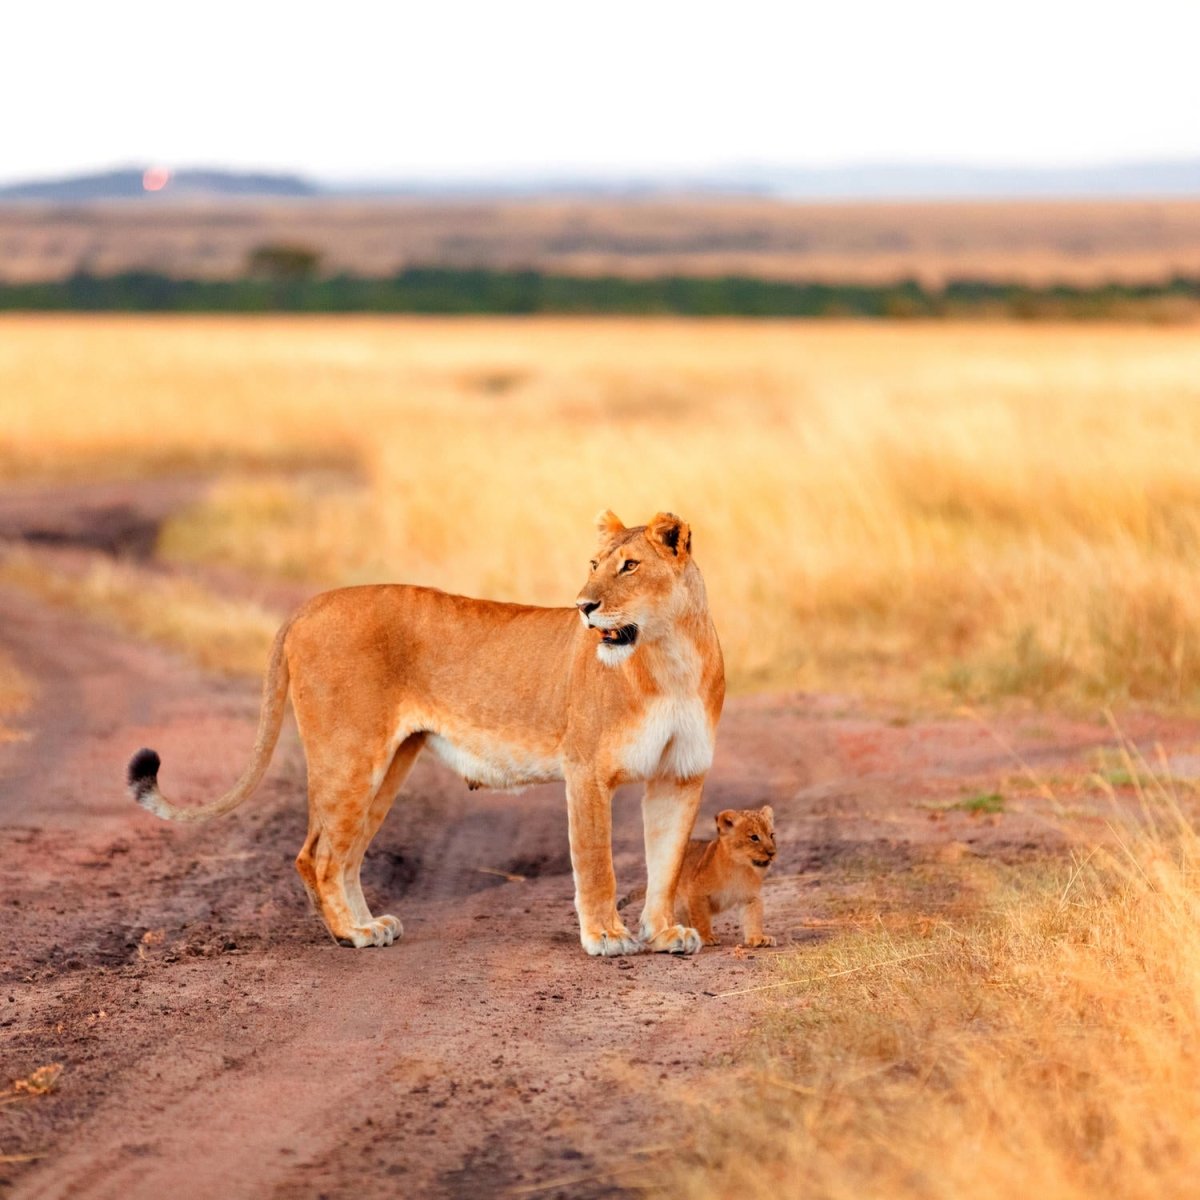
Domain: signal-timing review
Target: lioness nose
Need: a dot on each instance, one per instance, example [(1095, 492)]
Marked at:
[(587, 607)]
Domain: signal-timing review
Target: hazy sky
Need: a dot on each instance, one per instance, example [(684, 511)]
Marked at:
[(369, 90)]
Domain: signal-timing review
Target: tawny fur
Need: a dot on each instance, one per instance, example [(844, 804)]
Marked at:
[(625, 687), (727, 873)]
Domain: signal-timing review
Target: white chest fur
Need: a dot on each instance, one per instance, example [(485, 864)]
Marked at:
[(672, 739)]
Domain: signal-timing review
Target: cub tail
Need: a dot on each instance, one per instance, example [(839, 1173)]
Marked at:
[(142, 774), (638, 893)]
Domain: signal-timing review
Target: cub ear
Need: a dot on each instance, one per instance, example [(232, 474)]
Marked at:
[(670, 535), (608, 524), (768, 814), (726, 820)]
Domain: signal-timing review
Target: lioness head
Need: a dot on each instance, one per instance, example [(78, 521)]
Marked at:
[(637, 583), (749, 834)]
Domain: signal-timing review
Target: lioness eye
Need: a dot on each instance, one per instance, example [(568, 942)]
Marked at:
[(630, 564), (595, 564)]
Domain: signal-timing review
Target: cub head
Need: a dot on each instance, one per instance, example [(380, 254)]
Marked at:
[(748, 834), (638, 582)]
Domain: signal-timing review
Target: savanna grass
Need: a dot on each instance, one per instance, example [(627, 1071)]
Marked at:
[(933, 513), (224, 635), (16, 693), (1045, 1046)]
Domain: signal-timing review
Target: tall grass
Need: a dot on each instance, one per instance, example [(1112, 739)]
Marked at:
[(946, 512), (223, 635), (1048, 1048), (16, 692)]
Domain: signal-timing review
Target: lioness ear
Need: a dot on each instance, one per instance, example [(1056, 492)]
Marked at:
[(608, 524), (670, 535), (726, 820), (768, 815)]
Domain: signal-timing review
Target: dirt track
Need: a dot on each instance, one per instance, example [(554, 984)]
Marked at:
[(217, 1043)]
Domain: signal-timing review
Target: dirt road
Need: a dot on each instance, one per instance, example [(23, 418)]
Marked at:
[(215, 1042)]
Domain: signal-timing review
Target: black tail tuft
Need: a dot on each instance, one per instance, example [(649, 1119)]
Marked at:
[(142, 775)]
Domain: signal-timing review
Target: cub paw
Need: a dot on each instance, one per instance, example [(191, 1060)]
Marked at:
[(674, 939), (382, 931), (608, 943), (762, 940)]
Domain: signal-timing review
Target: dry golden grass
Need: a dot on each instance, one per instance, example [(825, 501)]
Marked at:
[(16, 693), (1048, 1048), (1032, 241), (229, 636), (938, 512), (923, 512)]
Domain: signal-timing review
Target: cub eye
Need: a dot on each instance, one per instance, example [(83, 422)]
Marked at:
[(629, 565), (754, 837), (594, 564)]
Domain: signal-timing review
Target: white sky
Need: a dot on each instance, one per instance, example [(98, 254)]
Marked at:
[(380, 90)]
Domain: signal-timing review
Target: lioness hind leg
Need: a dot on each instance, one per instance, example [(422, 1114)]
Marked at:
[(402, 762), (338, 811)]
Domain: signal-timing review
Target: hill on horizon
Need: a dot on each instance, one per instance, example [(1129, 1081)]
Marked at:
[(129, 183), (868, 181)]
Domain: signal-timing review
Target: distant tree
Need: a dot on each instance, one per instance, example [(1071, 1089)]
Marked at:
[(280, 260)]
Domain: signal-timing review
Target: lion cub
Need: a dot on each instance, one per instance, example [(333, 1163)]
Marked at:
[(726, 874)]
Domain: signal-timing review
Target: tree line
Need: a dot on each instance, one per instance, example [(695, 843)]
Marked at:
[(447, 290)]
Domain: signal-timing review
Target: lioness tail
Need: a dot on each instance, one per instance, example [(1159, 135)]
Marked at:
[(638, 893), (142, 775)]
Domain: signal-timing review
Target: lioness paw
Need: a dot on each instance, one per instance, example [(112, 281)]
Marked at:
[(382, 931), (674, 939), (608, 944)]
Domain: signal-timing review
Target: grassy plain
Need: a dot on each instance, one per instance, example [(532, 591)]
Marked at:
[(923, 514), (15, 695), (1043, 1042), (929, 512)]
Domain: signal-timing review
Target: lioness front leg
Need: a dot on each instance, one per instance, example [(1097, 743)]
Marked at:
[(669, 810), (589, 824)]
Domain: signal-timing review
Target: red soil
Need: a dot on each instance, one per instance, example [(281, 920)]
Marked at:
[(216, 1042)]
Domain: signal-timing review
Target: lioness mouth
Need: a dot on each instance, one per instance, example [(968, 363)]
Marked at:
[(625, 635)]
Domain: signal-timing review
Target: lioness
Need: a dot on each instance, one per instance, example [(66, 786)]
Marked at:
[(626, 686)]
